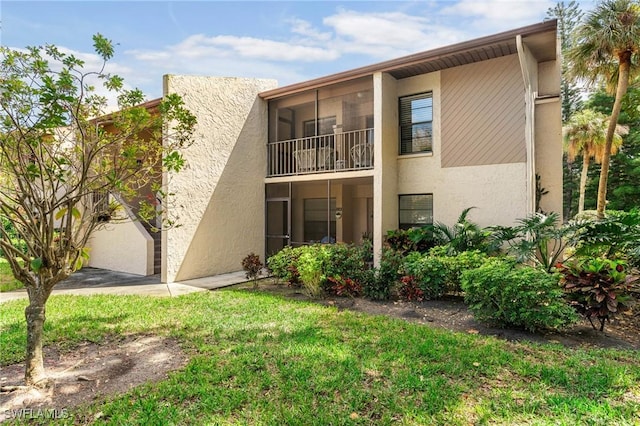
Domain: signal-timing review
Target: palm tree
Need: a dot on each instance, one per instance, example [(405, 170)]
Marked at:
[(585, 133), (606, 47)]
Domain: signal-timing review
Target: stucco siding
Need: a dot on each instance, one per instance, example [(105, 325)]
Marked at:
[(483, 114), (219, 197), (122, 246), (497, 191)]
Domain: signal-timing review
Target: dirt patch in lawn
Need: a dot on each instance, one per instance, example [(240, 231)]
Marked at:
[(89, 373), (450, 313)]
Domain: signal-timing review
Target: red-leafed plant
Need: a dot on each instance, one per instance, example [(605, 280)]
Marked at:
[(597, 288), (345, 286), (252, 265), (410, 290)]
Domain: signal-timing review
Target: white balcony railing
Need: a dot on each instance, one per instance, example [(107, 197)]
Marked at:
[(338, 152)]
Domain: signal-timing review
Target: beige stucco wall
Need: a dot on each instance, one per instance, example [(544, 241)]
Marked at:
[(122, 246), (548, 136), (219, 199), (498, 191), (385, 172)]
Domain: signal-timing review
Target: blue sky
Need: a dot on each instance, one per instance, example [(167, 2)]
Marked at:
[(286, 41)]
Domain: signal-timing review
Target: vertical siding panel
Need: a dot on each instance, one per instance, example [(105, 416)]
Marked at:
[(483, 114)]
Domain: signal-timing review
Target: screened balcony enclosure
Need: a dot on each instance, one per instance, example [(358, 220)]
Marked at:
[(320, 131)]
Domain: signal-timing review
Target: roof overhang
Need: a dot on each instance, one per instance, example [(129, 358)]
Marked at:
[(540, 38)]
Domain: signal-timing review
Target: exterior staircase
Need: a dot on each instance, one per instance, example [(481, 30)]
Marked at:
[(157, 247)]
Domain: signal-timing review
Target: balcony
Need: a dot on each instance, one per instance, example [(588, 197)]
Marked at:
[(339, 152)]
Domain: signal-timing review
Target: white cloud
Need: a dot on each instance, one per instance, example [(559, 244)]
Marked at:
[(499, 14), (392, 34), (305, 28), (346, 37)]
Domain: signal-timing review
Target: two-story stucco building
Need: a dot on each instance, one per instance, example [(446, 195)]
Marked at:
[(396, 144)]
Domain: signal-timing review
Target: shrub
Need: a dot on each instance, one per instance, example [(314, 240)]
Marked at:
[(413, 239), (428, 272), (503, 293), (344, 287), (283, 265), (311, 266), (378, 283), (252, 266), (410, 290), (597, 288), (456, 265), (347, 260)]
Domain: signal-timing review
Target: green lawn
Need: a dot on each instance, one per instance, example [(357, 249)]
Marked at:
[(260, 359), (7, 282)]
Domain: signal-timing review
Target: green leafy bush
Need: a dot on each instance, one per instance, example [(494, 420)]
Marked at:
[(429, 273), (283, 265), (507, 294), (347, 260), (314, 265), (456, 265), (379, 283), (597, 287)]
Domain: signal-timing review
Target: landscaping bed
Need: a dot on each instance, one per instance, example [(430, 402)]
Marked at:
[(450, 313)]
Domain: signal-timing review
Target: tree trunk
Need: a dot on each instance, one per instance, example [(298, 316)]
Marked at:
[(34, 365), (623, 82), (583, 181)]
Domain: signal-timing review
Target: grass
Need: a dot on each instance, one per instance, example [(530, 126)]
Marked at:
[(260, 359), (7, 282)]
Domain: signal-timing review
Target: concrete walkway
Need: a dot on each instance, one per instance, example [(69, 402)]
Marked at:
[(101, 281)]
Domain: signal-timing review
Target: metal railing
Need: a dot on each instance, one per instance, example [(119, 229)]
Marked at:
[(338, 152)]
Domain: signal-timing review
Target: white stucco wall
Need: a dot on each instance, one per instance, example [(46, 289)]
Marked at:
[(122, 246), (219, 199)]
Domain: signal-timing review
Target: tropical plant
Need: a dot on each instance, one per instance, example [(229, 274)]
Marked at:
[(252, 266), (57, 159), (463, 235), (507, 294), (537, 238), (405, 241), (585, 134), (605, 49), (617, 236), (597, 288)]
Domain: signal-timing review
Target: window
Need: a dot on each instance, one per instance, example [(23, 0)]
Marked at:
[(416, 123), (101, 206), (320, 220), (415, 210)]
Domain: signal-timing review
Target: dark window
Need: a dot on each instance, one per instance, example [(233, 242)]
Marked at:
[(416, 123), (415, 210)]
